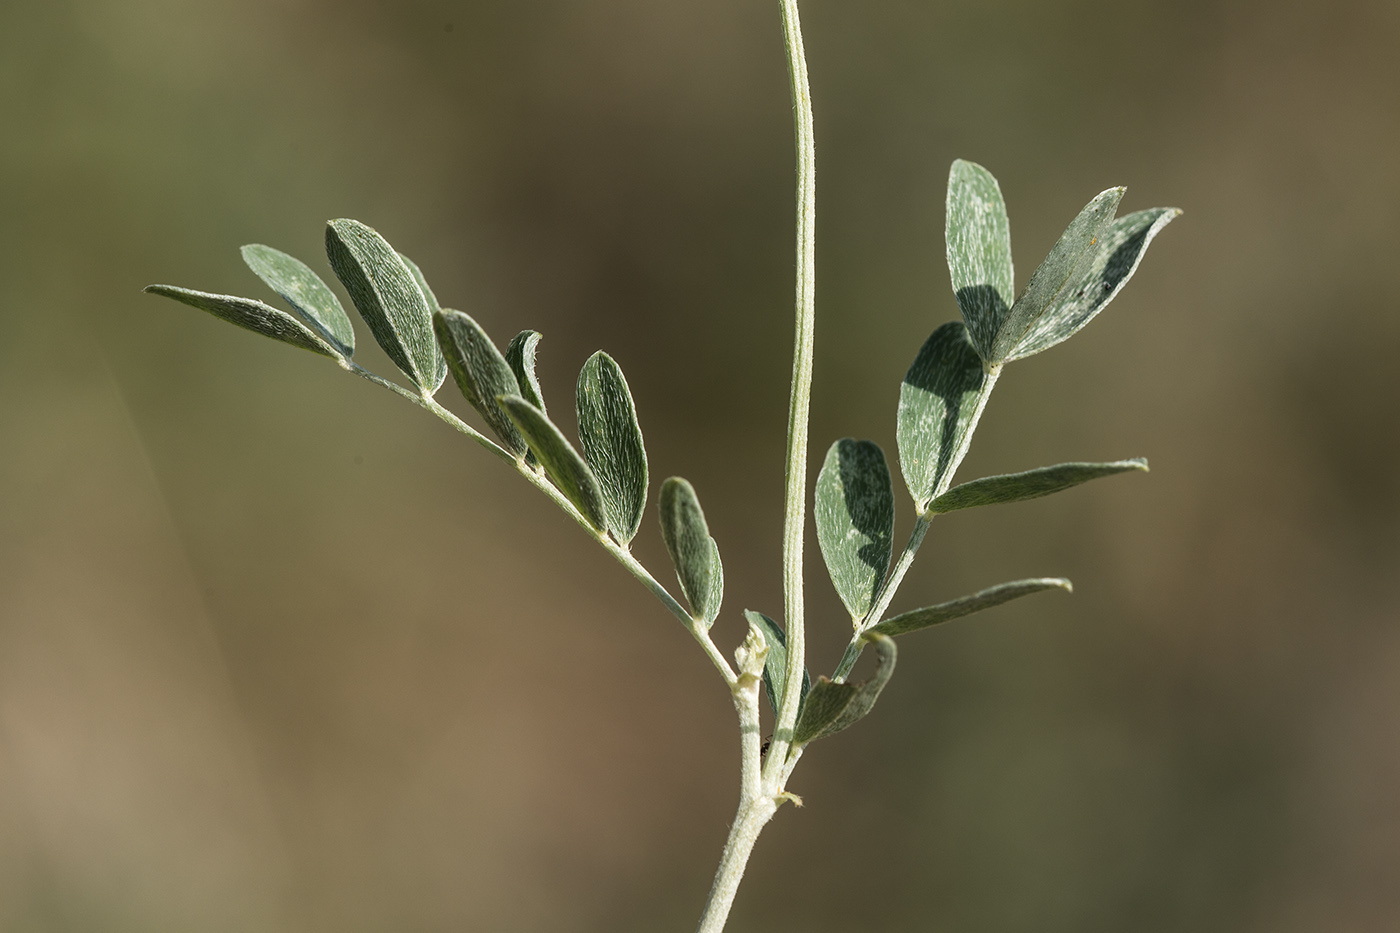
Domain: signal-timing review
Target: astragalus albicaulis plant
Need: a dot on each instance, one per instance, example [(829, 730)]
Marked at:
[(604, 486)]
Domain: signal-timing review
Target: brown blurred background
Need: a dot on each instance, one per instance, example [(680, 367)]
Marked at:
[(279, 652)]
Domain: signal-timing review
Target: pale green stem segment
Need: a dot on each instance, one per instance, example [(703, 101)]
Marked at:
[(795, 497), (537, 479), (756, 808), (761, 790), (916, 538)]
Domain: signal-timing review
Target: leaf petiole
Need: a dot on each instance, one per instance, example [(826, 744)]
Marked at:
[(537, 479)]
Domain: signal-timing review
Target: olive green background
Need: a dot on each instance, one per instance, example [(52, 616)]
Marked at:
[(280, 652)]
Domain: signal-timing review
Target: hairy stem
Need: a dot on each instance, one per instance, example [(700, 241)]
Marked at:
[(426, 402), (755, 809), (795, 493), (761, 787)]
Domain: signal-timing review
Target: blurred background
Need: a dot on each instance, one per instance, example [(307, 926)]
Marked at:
[(280, 652)]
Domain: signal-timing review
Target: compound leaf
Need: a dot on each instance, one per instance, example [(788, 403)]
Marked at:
[(912, 621), (1115, 259), (938, 407), (977, 235), (854, 512), (254, 315), (389, 298), (612, 443), (1032, 484), (480, 371), (304, 290), (775, 668), (832, 707), (692, 550), (1068, 261), (568, 471)]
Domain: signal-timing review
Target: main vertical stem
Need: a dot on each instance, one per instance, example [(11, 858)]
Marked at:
[(759, 792), (795, 504), (755, 810)]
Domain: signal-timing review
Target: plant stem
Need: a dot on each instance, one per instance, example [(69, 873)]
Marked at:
[(755, 809), (426, 402), (795, 495), (697, 628), (760, 787)]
